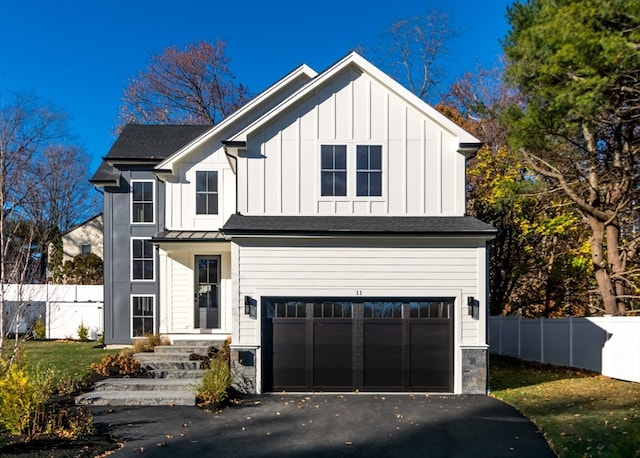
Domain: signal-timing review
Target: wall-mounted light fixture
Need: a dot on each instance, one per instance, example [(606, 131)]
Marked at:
[(473, 306), (250, 307)]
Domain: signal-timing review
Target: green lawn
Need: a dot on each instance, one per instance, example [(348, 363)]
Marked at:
[(70, 358), (582, 414)]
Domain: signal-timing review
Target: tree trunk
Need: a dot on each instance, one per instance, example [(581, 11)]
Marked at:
[(601, 269)]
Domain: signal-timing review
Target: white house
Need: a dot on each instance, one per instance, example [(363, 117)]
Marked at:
[(321, 227)]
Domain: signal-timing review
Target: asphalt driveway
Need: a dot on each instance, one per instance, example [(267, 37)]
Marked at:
[(328, 425)]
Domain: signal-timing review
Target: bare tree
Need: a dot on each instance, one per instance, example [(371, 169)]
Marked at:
[(193, 85), (411, 51), (35, 187)]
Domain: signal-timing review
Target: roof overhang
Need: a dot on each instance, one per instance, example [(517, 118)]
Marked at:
[(112, 161), (358, 226), (106, 183), (468, 150)]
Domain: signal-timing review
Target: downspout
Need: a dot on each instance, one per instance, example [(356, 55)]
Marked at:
[(235, 160)]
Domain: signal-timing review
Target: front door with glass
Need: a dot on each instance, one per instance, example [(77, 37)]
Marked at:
[(207, 292)]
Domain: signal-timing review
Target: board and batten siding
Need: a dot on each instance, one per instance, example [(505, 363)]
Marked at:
[(181, 191), (326, 269), (423, 174)]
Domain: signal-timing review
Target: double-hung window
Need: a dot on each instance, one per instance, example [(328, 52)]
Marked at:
[(333, 175), (369, 170), (142, 260), (142, 315), (207, 193), (142, 201)]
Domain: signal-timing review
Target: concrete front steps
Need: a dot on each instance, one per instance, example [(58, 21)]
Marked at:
[(172, 379)]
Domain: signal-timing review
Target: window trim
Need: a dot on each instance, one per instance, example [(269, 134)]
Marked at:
[(131, 261), (217, 193), (369, 171), (153, 202), (335, 170), (131, 316), (352, 171)]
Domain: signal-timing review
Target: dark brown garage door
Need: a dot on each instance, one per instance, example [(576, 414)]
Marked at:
[(367, 344)]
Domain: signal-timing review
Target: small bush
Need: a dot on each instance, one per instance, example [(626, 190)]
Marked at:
[(123, 364), (83, 332), (217, 378), (22, 404), (71, 423), (216, 381), (39, 329), (149, 342)]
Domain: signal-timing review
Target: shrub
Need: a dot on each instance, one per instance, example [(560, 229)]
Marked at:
[(24, 395), (39, 329), (83, 332), (122, 364), (71, 422), (148, 342), (216, 381)]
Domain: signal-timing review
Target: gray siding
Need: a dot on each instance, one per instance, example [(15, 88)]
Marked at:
[(118, 232)]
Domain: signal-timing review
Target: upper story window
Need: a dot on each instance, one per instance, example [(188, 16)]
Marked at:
[(142, 201), (333, 175), (207, 193), (369, 170), (337, 170), (142, 260), (85, 249)]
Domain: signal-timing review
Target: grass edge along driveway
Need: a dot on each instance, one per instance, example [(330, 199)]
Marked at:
[(582, 414)]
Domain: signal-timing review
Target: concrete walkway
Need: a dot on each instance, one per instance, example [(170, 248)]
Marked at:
[(329, 425)]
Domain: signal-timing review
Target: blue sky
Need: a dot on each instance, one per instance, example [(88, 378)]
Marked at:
[(79, 54)]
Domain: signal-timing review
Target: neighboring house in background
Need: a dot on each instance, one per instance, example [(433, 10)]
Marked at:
[(321, 227), (84, 238)]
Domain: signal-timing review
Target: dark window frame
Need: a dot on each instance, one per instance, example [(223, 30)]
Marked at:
[(207, 200), (334, 170), (368, 170), (142, 316), (141, 263), (142, 204)]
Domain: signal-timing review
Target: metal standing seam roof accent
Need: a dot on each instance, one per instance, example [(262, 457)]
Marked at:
[(352, 225), (188, 236)]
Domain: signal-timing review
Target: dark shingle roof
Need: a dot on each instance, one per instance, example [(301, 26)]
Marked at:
[(351, 225), (148, 143)]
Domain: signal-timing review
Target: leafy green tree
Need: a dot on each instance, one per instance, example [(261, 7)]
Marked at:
[(577, 65), (536, 255), (83, 269)]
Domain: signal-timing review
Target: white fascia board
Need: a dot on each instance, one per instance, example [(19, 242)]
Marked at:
[(302, 70), (364, 65)]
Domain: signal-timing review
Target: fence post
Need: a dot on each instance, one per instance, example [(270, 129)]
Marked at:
[(519, 330), (542, 340), (570, 341)]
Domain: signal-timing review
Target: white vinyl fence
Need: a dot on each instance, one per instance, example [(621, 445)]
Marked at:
[(62, 309), (608, 345)]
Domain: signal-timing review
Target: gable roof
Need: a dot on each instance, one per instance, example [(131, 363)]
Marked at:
[(356, 60), (302, 72), (87, 221)]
